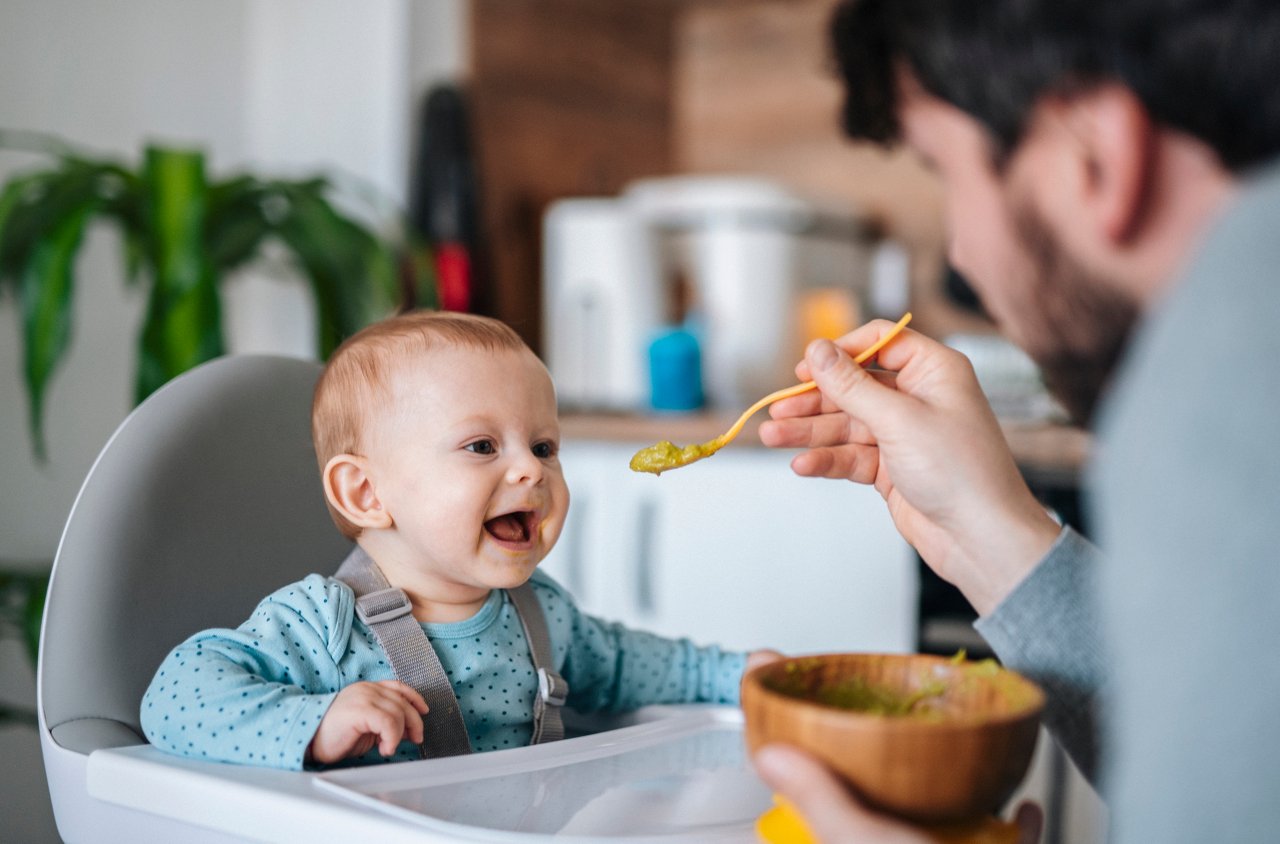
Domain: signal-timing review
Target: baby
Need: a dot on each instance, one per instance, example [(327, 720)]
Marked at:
[(438, 439)]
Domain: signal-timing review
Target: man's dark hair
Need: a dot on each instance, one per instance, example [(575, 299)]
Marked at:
[(1209, 68)]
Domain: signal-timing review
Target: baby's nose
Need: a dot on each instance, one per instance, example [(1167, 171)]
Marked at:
[(525, 468)]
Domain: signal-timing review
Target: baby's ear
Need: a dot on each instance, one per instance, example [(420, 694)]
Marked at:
[(349, 489)]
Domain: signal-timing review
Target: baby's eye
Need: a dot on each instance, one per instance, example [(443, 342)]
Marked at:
[(480, 447), (544, 450)]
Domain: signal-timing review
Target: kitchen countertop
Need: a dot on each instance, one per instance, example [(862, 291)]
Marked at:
[(1048, 453)]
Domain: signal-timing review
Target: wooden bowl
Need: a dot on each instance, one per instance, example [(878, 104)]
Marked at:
[(955, 754)]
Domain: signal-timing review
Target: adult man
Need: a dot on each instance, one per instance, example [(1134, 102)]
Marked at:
[(1108, 195)]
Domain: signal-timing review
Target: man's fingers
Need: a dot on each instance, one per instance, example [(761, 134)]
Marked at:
[(864, 337), (857, 463), (828, 809), (893, 356), (1030, 820), (850, 387), (813, 402), (815, 431), (805, 404)]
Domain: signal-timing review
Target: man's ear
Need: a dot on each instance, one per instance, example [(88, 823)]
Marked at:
[(1117, 145), (350, 490)]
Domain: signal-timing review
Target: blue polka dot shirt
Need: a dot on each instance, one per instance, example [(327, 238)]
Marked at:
[(255, 695)]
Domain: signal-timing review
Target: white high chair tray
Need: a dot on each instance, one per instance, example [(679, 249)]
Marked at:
[(683, 777), (675, 774)]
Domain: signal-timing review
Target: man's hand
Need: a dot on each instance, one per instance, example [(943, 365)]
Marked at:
[(364, 714), (923, 434), (835, 817), (762, 657), (758, 658)]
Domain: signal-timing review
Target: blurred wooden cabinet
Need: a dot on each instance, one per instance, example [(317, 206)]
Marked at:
[(580, 97), (570, 98)]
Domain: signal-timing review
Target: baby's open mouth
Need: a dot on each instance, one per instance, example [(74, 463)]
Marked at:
[(516, 527)]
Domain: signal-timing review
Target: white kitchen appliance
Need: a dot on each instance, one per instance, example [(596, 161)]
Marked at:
[(749, 249)]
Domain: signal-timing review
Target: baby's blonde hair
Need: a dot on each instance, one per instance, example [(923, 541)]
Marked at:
[(357, 377)]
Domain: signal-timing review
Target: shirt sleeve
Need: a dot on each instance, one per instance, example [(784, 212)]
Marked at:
[(611, 668), (254, 695), (1048, 630)]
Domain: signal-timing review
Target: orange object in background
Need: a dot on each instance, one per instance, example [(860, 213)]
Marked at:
[(825, 313)]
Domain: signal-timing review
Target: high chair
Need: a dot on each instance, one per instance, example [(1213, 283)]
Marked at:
[(206, 499)]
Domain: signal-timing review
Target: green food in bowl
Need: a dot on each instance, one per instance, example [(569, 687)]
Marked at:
[(927, 697)]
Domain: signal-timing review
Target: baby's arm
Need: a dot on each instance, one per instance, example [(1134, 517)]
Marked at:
[(256, 694), (386, 713), (611, 667)]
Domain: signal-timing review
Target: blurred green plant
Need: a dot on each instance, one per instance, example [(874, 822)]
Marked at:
[(183, 234), (22, 594)]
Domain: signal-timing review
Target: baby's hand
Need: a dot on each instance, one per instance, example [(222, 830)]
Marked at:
[(363, 714)]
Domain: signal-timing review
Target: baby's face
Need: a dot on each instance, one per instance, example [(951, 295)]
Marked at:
[(466, 461)]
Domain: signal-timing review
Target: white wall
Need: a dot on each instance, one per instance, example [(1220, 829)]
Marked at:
[(288, 86)]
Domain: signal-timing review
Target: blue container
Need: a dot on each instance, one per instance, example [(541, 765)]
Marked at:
[(675, 370)]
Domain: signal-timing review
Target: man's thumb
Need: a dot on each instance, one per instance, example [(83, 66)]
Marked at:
[(846, 384)]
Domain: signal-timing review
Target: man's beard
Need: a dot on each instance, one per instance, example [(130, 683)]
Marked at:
[(1087, 322)]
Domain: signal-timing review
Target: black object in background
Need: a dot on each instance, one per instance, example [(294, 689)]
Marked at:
[(959, 292), (443, 202), (945, 615)]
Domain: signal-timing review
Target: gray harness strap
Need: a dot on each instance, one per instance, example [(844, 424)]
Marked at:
[(553, 689), (389, 614)]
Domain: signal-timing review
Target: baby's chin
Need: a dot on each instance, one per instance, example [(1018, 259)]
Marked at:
[(511, 572)]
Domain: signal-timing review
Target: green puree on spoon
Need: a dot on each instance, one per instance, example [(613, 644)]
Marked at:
[(665, 455)]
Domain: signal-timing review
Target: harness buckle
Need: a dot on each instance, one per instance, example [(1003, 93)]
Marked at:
[(383, 605), (552, 688)]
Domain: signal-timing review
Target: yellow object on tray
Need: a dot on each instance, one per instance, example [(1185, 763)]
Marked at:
[(782, 824)]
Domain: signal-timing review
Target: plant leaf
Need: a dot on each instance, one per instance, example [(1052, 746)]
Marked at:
[(22, 599), (236, 223), (34, 204), (46, 291), (183, 324), (10, 198), (350, 270), (125, 203), (33, 612)]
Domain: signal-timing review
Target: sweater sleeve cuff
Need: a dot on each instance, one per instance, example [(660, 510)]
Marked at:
[(721, 680), (1056, 596), (305, 723), (1048, 630)]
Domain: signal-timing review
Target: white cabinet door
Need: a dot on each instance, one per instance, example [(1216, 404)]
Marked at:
[(736, 551)]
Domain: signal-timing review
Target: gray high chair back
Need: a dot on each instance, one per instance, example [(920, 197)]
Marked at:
[(206, 499)]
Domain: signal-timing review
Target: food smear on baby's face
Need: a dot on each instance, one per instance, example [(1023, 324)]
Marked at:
[(665, 455)]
